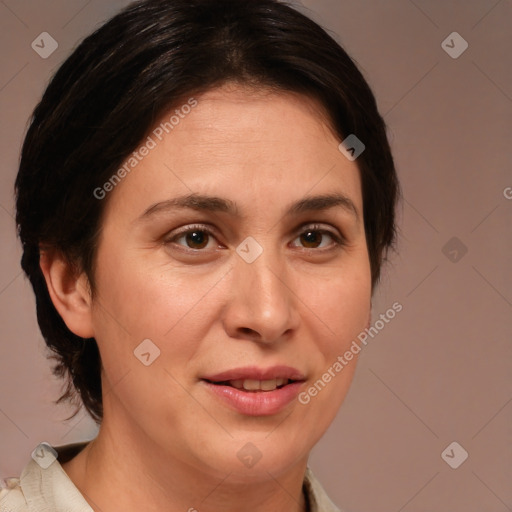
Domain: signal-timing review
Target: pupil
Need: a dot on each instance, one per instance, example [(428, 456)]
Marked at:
[(197, 238), (311, 238)]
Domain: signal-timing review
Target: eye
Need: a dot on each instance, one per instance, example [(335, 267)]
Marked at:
[(312, 237), (194, 238), (198, 238)]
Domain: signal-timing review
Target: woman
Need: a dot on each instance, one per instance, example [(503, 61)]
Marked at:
[(205, 198)]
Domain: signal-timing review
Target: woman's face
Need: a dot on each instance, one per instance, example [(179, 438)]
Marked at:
[(246, 284)]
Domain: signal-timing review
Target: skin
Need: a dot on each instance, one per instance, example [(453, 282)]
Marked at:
[(166, 442)]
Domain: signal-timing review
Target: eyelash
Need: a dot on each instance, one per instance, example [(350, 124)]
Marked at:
[(339, 241)]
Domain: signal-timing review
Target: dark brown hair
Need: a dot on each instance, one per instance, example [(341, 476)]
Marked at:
[(107, 96)]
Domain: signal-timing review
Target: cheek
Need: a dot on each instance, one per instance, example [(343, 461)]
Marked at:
[(340, 310), (348, 310), (169, 306), (341, 303)]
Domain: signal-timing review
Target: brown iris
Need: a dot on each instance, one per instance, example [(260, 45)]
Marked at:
[(199, 238), (310, 238)]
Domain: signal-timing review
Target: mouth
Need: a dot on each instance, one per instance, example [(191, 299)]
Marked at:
[(254, 391), (253, 385)]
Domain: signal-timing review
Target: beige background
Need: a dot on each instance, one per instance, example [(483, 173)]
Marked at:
[(440, 371)]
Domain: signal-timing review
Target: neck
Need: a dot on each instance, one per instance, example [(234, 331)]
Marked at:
[(113, 474)]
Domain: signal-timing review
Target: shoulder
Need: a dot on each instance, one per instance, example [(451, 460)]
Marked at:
[(43, 483), (11, 496), (317, 497)]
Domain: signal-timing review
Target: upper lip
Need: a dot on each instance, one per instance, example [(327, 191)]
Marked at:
[(256, 373)]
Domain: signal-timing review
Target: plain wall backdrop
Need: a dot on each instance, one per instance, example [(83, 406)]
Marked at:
[(440, 371)]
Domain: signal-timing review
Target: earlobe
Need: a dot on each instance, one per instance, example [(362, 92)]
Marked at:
[(69, 292)]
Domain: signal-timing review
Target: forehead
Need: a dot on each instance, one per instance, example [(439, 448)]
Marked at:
[(243, 144), (263, 120)]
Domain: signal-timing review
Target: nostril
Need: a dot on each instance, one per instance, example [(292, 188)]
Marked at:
[(247, 330)]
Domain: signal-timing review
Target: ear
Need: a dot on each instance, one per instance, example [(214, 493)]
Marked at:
[(70, 293)]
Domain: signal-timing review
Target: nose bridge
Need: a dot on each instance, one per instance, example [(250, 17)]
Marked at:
[(266, 282), (262, 301)]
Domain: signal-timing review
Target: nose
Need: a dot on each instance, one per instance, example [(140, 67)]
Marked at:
[(263, 305)]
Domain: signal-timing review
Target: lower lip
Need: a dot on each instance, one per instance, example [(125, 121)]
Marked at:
[(256, 403)]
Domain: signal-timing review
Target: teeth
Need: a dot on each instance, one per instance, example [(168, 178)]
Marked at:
[(254, 385), (238, 384), (268, 385), (258, 385)]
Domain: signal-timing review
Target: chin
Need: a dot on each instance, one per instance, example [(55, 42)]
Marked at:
[(258, 457)]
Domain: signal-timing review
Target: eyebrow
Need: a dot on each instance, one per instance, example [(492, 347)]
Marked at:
[(215, 204)]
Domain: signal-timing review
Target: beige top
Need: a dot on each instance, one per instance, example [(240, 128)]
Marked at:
[(50, 489)]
